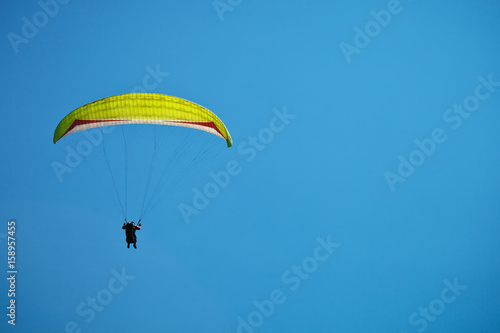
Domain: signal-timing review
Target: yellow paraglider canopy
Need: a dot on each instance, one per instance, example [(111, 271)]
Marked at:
[(142, 108)]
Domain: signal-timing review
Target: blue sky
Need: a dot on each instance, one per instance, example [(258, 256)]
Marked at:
[(361, 193)]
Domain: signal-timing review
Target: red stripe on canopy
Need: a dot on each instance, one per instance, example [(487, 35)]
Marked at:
[(208, 124), (79, 122)]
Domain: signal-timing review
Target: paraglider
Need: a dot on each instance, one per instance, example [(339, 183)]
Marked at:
[(149, 109), (130, 236)]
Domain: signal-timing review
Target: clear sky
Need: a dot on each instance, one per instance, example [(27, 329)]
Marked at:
[(360, 195)]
